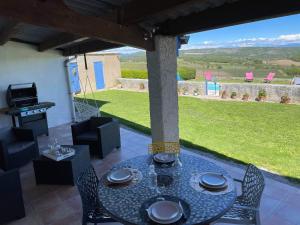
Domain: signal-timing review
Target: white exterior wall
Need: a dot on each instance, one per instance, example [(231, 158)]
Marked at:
[(21, 63)]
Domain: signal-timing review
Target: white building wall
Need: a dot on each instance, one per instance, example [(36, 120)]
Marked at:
[(22, 63)]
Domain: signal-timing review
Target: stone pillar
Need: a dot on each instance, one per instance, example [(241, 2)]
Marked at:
[(162, 69)]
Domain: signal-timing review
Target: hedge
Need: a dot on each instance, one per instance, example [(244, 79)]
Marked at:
[(186, 73), (135, 74)]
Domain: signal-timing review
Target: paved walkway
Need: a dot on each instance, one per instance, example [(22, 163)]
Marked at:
[(61, 205)]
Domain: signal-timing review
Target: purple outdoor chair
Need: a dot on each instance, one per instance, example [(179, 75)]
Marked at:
[(269, 78), (207, 75), (249, 77)]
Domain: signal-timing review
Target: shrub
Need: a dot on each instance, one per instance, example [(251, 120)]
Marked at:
[(285, 99), (142, 86), (118, 84), (135, 74), (185, 90), (187, 73), (262, 94), (179, 91), (224, 94), (233, 95), (245, 97), (292, 71)]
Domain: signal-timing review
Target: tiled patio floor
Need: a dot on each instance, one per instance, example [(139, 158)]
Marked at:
[(60, 205)]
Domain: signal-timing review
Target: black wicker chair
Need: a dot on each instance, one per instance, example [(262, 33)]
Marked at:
[(18, 146), (88, 185), (102, 134), (246, 207), (11, 198)]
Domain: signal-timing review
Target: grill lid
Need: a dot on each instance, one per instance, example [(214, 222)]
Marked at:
[(20, 95)]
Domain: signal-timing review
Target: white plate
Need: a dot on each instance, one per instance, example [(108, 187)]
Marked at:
[(120, 176), (164, 157), (213, 180), (165, 212)]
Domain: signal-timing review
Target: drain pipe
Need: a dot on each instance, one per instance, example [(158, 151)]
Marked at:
[(70, 93)]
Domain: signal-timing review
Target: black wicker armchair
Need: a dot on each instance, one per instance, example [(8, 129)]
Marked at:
[(102, 134), (18, 146), (88, 186), (246, 208), (11, 203)]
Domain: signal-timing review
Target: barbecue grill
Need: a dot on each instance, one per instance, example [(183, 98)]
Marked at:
[(25, 109)]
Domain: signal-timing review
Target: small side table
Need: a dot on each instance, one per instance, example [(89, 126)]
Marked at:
[(64, 172)]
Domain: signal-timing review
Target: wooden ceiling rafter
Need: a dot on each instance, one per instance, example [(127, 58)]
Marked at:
[(90, 46), (137, 10), (55, 14), (60, 41), (229, 14)]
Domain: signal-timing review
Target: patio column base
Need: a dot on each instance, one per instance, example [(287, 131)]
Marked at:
[(162, 70)]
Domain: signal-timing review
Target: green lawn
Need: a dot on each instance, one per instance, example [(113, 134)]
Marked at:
[(265, 134)]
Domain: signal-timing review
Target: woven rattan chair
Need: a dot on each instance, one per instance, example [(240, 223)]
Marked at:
[(246, 208), (88, 185)]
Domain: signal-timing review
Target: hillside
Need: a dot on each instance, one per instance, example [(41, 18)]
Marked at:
[(227, 63)]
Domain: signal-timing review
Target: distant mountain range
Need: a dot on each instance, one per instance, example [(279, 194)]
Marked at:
[(229, 54)]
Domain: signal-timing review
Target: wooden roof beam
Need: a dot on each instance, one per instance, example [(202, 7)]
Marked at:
[(91, 46), (137, 10), (55, 14), (59, 41), (8, 31), (242, 11)]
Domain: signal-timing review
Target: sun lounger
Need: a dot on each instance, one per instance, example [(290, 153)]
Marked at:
[(249, 77), (207, 75), (269, 78)]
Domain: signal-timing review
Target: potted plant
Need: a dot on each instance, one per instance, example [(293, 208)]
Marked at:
[(262, 95), (185, 90), (245, 97), (224, 95), (196, 92), (142, 86), (118, 84), (233, 95), (285, 99), (179, 90)]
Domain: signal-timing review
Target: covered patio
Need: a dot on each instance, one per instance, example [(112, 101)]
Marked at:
[(57, 205), (36, 37)]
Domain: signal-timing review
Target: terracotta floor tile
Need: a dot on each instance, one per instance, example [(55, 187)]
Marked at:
[(55, 213)]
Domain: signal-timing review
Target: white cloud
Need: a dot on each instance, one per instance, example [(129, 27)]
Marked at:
[(281, 40), (290, 37)]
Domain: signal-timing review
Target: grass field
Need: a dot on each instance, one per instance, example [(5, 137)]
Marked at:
[(265, 134)]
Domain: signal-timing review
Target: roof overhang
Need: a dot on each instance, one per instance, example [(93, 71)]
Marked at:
[(80, 26)]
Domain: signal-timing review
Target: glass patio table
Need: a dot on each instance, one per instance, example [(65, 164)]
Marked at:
[(127, 203)]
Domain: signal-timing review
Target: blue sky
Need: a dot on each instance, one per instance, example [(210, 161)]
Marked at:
[(273, 32), (267, 28)]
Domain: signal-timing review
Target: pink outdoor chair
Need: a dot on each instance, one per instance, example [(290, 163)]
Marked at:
[(208, 75), (249, 77), (269, 78)]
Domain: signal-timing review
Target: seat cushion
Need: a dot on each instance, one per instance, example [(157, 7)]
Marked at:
[(96, 122), (7, 135), (19, 146), (87, 136)]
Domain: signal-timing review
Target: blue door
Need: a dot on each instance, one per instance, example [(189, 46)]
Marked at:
[(98, 68), (74, 77)]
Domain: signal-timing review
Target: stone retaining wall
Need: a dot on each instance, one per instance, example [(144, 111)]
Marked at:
[(274, 91)]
